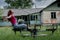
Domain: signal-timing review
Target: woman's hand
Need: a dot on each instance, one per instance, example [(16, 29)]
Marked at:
[(4, 18)]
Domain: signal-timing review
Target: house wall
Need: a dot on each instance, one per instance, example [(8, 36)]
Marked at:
[(37, 21), (58, 16), (46, 17), (5, 24)]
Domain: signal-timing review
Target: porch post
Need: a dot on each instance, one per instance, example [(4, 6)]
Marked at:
[(29, 20)]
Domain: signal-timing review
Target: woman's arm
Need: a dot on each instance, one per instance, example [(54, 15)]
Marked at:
[(8, 16)]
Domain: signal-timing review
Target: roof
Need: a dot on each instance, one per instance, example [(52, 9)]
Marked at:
[(18, 12), (53, 7), (43, 3)]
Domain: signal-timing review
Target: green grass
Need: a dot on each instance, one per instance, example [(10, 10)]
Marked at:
[(6, 33)]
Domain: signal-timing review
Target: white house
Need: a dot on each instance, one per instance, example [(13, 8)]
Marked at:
[(37, 15), (51, 14)]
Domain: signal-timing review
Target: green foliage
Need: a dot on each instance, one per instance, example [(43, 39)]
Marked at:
[(1, 11), (0, 19), (19, 3)]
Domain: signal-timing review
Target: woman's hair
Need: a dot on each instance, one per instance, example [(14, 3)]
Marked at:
[(9, 12)]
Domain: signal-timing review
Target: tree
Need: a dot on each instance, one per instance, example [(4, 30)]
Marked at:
[(19, 3), (1, 12)]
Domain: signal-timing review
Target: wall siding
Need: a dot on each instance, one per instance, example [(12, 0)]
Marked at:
[(46, 16), (5, 24)]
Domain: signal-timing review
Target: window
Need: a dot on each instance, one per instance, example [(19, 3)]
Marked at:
[(53, 15), (58, 4), (33, 17)]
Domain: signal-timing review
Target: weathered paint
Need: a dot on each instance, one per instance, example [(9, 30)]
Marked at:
[(46, 17), (5, 24)]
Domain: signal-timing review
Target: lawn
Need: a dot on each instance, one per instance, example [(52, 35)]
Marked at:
[(6, 33)]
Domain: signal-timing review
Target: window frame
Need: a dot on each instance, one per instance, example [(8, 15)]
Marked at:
[(53, 15)]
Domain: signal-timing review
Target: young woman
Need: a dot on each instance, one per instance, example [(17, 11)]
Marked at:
[(13, 20)]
